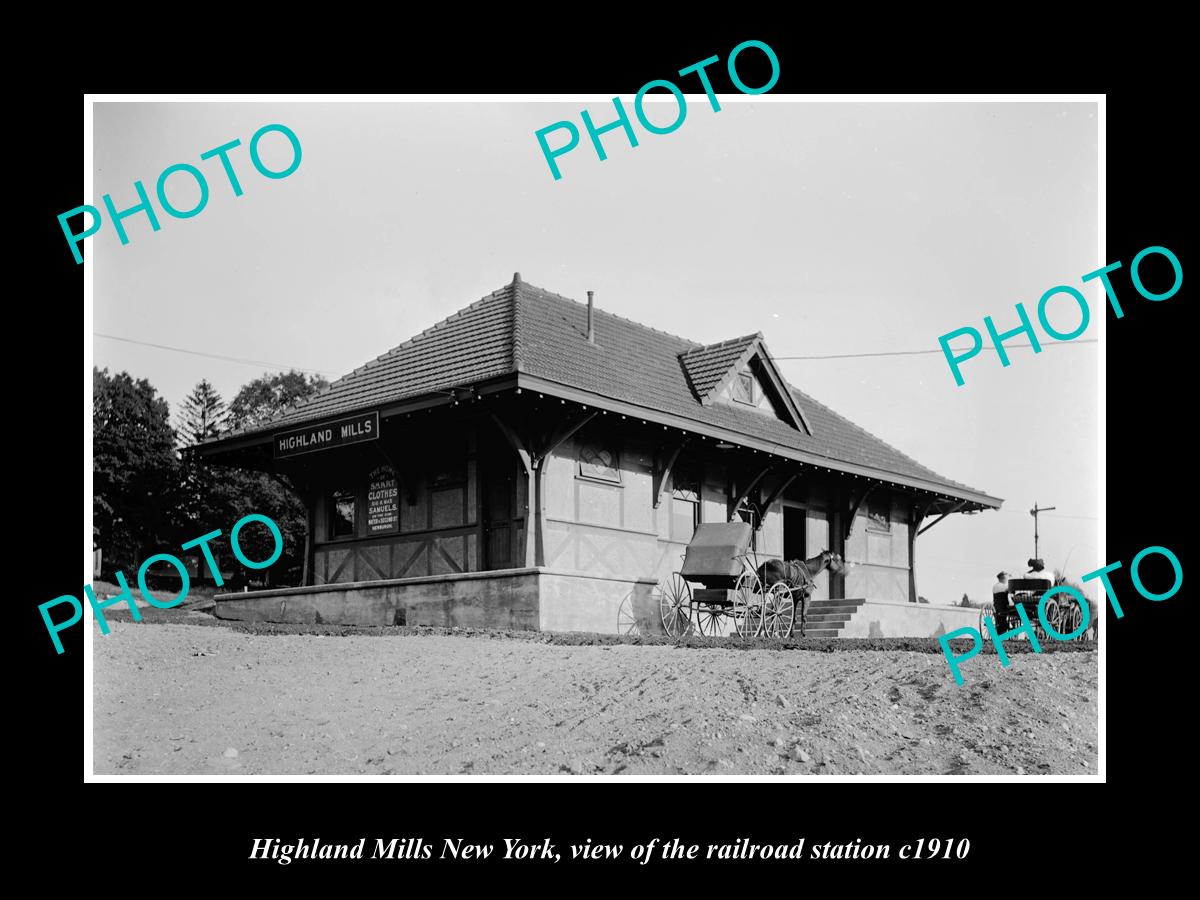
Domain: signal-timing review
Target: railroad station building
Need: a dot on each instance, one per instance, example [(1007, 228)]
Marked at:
[(534, 462)]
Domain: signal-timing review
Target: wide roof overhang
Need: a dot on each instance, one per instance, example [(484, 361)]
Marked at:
[(957, 499)]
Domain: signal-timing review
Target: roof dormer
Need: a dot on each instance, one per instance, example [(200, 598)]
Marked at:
[(740, 373)]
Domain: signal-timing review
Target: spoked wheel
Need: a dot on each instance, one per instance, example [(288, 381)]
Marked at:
[(1057, 615), (712, 619), (627, 622), (1054, 616), (1069, 617), (675, 605), (748, 603), (1071, 621), (779, 611)]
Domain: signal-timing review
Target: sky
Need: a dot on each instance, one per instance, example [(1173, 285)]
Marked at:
[(832, 228)]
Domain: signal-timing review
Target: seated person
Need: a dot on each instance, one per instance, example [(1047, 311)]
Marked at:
[(1037, 569), (1000, 598)]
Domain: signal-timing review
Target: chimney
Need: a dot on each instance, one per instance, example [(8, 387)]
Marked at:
[(591, 320)]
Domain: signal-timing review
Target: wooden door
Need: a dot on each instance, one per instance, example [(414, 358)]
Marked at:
[(498, 471)]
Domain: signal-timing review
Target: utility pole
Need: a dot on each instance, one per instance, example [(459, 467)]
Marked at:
[(1034, 512)]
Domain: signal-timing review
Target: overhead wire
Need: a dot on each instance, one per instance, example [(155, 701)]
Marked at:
[(920, 352), (257, 362), (233, 359)]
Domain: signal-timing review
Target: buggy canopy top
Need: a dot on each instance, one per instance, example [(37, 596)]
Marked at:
[(716, 550)]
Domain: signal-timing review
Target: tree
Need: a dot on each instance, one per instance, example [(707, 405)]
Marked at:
[(262, 399), (202, 415), (134, 469), (966, 601), (243, 491), (202, 506)]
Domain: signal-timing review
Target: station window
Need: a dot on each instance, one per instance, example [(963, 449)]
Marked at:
[(601, 461), (879, 508), (752, 512), (685, 507), (342, 514), (448, 468)]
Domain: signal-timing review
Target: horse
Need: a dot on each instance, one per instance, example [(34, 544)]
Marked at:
[(800, 575)]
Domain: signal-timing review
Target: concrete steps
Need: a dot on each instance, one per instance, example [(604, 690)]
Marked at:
[(828, 621), (827, 617)]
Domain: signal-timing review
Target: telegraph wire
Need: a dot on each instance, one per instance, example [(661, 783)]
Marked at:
[(256, 362), (234, 359), (923, 352)]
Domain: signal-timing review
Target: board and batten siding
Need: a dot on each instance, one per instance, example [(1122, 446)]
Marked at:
[(438, 528), (614, 530), (597, 526), (879, 557)]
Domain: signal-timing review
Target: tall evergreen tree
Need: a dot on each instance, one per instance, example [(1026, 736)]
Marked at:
[(202, 415), (202, 507)]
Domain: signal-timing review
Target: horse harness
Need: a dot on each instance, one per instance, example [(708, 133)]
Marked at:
[(797, 576)]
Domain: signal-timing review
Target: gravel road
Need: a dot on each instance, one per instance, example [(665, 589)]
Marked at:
[(185, 699)]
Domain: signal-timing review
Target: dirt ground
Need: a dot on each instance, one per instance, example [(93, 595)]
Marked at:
[(189, 699)]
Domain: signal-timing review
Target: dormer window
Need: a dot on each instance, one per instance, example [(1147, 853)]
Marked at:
[(740, 372), (744, 388)]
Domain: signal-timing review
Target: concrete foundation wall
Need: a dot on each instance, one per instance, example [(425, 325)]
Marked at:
[(878, 619), (535, 599), (582, 603), (513, 599), (500, 599)]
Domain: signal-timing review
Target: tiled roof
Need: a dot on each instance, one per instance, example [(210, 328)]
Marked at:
[(707, 367), (474, 344), (524, 330)]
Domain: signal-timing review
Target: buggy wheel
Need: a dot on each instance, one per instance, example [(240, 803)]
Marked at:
[(675, 605), (1053, 616), (779, 611), (748, 603), (712, 620), (1071, 620)]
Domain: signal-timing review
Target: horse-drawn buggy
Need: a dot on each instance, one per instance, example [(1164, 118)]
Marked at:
[(1062, 611), (724, 588)]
